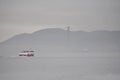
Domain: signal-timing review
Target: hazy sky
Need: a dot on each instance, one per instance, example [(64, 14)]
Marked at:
[(24, 16)]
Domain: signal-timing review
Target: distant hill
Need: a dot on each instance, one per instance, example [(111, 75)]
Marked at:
[(55, 40)]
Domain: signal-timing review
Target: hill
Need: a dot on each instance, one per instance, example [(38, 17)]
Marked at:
[(55, 40)]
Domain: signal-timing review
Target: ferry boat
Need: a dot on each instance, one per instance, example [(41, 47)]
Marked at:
[(28, 53)]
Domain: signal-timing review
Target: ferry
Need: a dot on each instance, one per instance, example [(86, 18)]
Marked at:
[(27, 53)]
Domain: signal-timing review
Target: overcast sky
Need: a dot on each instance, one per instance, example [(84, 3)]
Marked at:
[(26, 16)]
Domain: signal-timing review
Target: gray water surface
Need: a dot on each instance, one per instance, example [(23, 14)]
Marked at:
[(60, 68)]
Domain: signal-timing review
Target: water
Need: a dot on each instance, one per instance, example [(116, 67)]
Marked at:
[(60, 68)]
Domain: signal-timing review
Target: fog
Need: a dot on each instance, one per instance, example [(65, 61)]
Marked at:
[(59, 68), (62, 55), (88, 50), (19, 16)]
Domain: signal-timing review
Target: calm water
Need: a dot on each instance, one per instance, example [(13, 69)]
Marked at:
[(60, 68)]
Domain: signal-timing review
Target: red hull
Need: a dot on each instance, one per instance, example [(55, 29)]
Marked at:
[(26, 55)]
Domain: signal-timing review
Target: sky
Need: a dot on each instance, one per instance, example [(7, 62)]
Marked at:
[(27, 16)]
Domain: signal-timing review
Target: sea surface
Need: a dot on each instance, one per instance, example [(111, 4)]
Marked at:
[(59, 68)]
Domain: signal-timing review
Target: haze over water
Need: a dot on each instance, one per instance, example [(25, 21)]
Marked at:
[(93, 53), (60, 68)]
